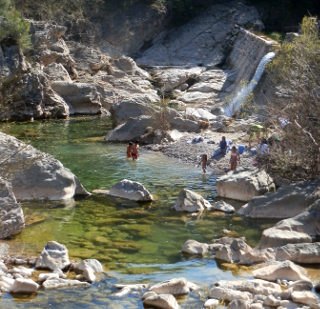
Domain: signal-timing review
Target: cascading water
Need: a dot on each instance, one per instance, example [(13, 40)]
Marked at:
[(243, 94)]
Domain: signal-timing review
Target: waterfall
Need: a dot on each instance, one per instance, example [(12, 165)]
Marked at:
[(243, 94)]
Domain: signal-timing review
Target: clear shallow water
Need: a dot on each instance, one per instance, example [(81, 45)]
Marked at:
[(136, 243)]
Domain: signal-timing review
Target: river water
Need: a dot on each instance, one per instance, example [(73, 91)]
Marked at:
[(135, 243)]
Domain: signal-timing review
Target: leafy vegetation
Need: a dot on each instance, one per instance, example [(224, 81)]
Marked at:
[(13, 28), (295, 109)]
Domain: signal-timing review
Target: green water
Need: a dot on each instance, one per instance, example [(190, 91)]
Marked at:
[(134, 242)]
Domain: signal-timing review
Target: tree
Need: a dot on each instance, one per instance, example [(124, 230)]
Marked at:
[(295, 108), (13, 28)]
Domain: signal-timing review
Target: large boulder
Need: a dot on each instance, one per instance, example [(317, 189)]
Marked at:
[(131, 190), (125, 109), (11, 215), (244, 184), (303, 253), (190, 201), (82, 98), (132, 129), (35, 174), (286, 202), (285, 270), (54, 256), (302, 228), (23, 285)]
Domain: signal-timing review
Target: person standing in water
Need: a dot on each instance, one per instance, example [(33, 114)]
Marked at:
[(234, 158), (129, 150), (223, 146), (135, 150), (203, 163)]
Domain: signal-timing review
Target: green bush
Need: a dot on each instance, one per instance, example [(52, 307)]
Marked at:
[(13, 28)]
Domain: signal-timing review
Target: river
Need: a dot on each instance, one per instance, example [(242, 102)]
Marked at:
[(135, 243)]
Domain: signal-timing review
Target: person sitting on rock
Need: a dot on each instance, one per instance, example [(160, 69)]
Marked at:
[(223, 146), (135, 150), (203, 163), (234, 158), (129, 150)]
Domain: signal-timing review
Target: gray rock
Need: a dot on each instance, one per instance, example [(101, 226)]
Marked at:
[(229, 294), (302, 228), (288, 201), (22, 285), (126, 289), (164, 301), (35, 174), (47, 276), (302, 253), (177, 286), (238, 304), (23, 271), (211, 303), (305, 297), (63, 283), (57, 72), (54, 256), (202, 40), (125, 109), (82, 98), (194, 247), (132, 129), (131, 190), (223, 206), (88, 268), (11, 215), (190, 201), (6, 284), (281, 270), (244, 184)]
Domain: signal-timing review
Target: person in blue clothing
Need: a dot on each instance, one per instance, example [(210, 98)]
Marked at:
[(223, 146)]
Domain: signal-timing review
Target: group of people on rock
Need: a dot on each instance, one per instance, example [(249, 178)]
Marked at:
[(133, 150)]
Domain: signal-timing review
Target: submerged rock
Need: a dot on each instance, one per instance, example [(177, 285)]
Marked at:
[(11, 215), (131, 190), (63, 283), (190, 201), (244, 184), (36, 175), (126, 289), (54, 256)]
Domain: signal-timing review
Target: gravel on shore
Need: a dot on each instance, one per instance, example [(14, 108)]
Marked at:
[(188, 152)]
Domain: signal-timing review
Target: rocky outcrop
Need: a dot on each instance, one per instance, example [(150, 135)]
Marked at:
[(244, 184), (206, 34), (34, 174), (11, 215), (130, 190), (190, 201), (287, 202), (302, 228), (81, 98)]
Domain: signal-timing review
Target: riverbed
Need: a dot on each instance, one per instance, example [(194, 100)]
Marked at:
[(135, 243)]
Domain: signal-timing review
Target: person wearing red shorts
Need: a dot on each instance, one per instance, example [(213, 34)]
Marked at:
[(135, 150)]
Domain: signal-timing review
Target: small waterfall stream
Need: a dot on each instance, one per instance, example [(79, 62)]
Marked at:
[(243, 94)]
